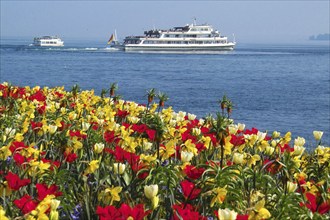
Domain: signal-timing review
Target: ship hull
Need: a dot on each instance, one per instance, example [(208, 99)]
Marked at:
[(141, 47)]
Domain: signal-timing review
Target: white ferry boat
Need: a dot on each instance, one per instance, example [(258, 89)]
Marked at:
[(187, 38), (48, 41)]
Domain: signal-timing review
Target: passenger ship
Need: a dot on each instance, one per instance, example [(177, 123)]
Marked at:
[(48, 41), (187, 38)]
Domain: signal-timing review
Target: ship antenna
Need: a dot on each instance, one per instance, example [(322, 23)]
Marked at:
[(234, 38), (194, 21)]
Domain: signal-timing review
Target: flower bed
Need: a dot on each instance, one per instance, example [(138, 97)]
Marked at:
[(75, 155)]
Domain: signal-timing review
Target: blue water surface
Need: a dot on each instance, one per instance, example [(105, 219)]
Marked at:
[(273, 87)]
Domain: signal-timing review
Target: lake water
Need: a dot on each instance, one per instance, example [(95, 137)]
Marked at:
[(273, 87)]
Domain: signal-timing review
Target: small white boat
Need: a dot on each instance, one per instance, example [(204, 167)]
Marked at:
[(48, 41), (113, 43), (187, 38)]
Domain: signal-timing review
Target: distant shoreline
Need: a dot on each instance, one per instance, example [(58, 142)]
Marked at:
[(320, 37)]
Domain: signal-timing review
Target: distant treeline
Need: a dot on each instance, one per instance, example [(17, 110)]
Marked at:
[(320, 37)]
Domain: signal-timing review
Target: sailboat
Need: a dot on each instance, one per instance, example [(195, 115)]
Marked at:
[(114, 43)]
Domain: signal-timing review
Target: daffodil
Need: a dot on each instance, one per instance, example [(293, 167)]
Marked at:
[(5, 153), (190, 147), (41, 210), (92, 167), (169, 149), (251, 139), (228, 146), (286, 139), (220, 195), (3, 214), (5, 190), (148, 158), (37, 167), (19, 137), (252, 160), (259, 212), (110, 195)]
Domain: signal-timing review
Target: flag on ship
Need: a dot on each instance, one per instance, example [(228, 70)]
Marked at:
[(111, 39)]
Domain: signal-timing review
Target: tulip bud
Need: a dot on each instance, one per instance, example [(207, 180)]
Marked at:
[(150, 191), (241, 127), (291, 187), (119, 168), (54, 203), (52, 129), (238, 158), (98, 148), (53, 215), (298, 150), (269, 150), (317, 135), (186, 156), (191, 116), (232, 129), (196, 131), (85, 126), (155, 202), (276, 134), (226, 214), (299, 141)]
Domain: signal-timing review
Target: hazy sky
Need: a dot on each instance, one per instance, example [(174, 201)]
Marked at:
[(250, 21)]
